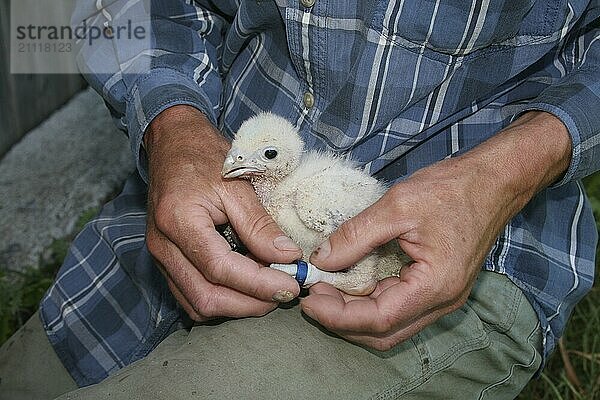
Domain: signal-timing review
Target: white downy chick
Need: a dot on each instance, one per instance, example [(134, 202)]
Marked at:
[(309, 195)]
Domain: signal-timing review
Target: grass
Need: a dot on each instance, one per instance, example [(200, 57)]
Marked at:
[(21, 290), (572, 373)]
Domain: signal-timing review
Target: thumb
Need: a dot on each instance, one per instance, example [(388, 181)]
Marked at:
[(355, 238), (260, 233)]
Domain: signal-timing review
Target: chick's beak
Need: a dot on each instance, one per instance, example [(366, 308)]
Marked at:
[(237, 164)]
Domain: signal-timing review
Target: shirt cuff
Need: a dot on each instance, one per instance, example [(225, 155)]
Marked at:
[(574, 165), (575, 104), (153, 93)]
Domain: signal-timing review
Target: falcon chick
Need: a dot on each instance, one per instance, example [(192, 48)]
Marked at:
[(310, 194)]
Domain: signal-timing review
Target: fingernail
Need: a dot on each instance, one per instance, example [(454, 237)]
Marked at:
[(283, 296), (321, 252), (285, 243)]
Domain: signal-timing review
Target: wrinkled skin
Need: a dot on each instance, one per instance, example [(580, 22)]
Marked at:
[(446, 217), (187, 198)]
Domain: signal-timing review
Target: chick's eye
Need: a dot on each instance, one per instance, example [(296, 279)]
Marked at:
[(270, 154)]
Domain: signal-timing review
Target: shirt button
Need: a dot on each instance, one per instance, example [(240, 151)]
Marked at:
[(308, 99), (308, 3)]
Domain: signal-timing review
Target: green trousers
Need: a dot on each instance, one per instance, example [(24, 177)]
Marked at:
[(488, 349)]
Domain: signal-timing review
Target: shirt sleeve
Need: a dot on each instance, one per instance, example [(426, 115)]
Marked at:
[(171, 59), (575, 97)]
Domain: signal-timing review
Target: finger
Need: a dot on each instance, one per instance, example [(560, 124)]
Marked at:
[(384, 342), (201, 244), (179, 296), (182, 301), (200, 298), (383, 285), (399, 305), (322, 288), (356, 238), (207, 300), (222, 301), (257, 229), (335, 314), (326, 288)]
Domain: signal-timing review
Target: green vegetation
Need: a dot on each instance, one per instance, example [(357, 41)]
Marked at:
[(572, 373), (21, 290), (20, 293)]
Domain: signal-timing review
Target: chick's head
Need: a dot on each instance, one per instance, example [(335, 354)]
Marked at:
[(266, 145)]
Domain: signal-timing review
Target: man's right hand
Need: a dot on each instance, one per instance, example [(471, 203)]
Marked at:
[(186, 199)]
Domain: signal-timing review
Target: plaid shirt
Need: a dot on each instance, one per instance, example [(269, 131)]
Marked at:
[(395, 85)]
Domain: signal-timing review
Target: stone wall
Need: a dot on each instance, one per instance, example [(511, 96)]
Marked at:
[(27, 100)]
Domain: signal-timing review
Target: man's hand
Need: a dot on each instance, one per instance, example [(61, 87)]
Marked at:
[(186, 199), (446, 217)]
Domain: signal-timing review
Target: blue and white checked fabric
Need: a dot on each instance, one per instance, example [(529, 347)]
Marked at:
[(394, 85)]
